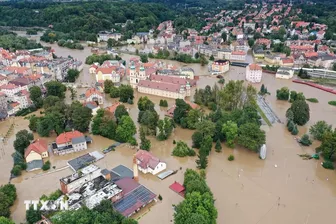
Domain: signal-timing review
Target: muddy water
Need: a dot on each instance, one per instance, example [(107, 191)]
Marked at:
[(247, 190)]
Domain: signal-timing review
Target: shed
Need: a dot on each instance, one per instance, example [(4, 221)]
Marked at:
[(177, 187)]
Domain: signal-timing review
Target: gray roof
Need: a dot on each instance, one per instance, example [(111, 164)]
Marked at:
[(91, 106), (78, 140), (121, 171), (283, 73), (81, 161), (34, 165), (285, 69)]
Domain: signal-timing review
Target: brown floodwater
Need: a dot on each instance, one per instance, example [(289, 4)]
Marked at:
[(247, 190)]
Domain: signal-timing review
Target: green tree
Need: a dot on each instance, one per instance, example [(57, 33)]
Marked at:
[(36, 96), (144, 103), (197, 139), (289, 115), (114, 92), (10, 191), (55, 88), (251, 42), (165, 128), (224, 36), (126, 129), (81, 117), (218, 146), (295, 130), (120, 111), (144, 58), (22, 141), (301, 112), (212, 58), (50, 101), (163, 103), (193, 117), (319, 129), (73, 93), (206, 127), (4, 220), (181, 111), (145, 143), (181, 150), (328, 146), (72, 75), (282, 94), (4, 205), (125, 92), (230, 130), (107, 85), (251, 137), (149, 119), (33, 216), (305, 140)]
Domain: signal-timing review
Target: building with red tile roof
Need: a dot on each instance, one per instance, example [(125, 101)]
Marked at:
[(253, 73), (93, 94), (147, 163), (36, 150), (113, 108), (68, 142)]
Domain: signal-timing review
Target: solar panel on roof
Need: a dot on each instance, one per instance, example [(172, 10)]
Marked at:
[(134, 200)]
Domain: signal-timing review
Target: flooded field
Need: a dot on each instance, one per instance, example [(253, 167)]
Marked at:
[(247, 190)]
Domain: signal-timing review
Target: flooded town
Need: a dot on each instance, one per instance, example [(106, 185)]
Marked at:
[(278, 187)]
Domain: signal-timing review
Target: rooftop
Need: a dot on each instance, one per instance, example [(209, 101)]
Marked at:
[(39, 146), (85, 171), (121, 171), (67, 137)]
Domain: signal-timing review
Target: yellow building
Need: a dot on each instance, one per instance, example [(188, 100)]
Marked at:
[(38, 150)]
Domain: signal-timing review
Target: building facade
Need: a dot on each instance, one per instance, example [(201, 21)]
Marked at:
[(220, 66), (147, 163), (253, 73)]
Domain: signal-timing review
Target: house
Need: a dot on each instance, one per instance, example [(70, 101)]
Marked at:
[(94, 95), (258, 52), (284, 73), (109, 73), (10, 89), (224, 54), (3, 101), (287, 62), (105, 35), (13, 108), (147, 163), (113, 108), (35, 153), (93, 68), (22, 98), (253, 73), (93, 106), (238, 56), (264, 41), (220, 66), (68, 142)]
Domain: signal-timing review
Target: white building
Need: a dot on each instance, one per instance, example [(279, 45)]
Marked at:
[(105, 35), (136, 75), (284, 73), (68, 142), (147, 163), (22, 97), (93, 95), (109, 73), (10, 89), (238, 56), (253, 73)]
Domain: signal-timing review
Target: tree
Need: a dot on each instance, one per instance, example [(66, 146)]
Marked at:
[(289, 115), (328, 146), (125, 92), (22, 141), (251, 42), (114, 92), (224, 36), (55, 88), (211, 58), (181, 111), (193, 117), (218, 146), (4, 205), (203, 60), (145, 143), (181, 150), (81, 117), (107, 85), (282, 94), (126, 129), (120, 111), (73, 93), (295, 130), (301, 112), (206, 127), (230, 130), (165, 128), (36, 96), (72, 75), (305, 140), (251, 137), (202, 161), (32, 215), (149, 119), (197, 139), (4, 220), (319, 129), (144, 103), (144, 58)]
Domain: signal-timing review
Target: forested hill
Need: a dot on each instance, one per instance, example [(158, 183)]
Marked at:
[(227, 4), (87, 17)]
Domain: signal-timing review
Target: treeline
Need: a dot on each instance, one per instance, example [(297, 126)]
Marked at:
[(81, 19), (7, 198), (199, 203), (10, 41), (62, 39)]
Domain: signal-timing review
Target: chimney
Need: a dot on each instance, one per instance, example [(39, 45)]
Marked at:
[(135, 169)]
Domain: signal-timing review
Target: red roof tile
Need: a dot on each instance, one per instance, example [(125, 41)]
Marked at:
[(113, 107), (39, 146), (92, 91), (177, 187), (254, 67), (160, 85), (146, 159), (68, 136)]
